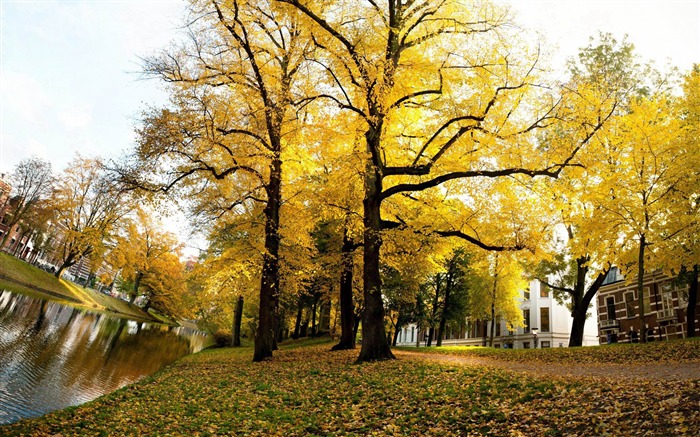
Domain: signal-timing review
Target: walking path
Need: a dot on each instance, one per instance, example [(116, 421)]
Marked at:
[(661, 371)]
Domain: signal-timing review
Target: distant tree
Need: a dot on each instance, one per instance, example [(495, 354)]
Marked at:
[(87, 206), (31, 182), (139, 249)]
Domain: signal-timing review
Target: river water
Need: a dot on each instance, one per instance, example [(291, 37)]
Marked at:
[(54, 356)]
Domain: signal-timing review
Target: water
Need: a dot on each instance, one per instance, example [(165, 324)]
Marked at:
[(53, 356)]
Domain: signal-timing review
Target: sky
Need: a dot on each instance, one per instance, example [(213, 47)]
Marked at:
[(70, 69)]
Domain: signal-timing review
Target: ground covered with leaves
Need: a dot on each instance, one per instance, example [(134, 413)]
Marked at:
[(686, 351), (312, 391)]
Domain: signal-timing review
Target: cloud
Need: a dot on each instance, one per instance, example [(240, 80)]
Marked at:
[(23, 96), (74, 119)]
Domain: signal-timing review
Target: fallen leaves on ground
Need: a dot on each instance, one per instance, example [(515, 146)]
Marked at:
[(312, 391), (678, 351)]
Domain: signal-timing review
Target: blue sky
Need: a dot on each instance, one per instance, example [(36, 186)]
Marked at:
[(70, 79)]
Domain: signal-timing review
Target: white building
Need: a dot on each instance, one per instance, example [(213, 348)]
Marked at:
[(542, 315)]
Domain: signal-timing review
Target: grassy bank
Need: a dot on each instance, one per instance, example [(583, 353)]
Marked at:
[(20, 277), (312, 391)]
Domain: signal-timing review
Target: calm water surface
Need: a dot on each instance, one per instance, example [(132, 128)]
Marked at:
[(53, 356)]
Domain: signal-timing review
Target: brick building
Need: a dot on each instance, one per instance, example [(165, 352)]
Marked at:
[(665, 306)]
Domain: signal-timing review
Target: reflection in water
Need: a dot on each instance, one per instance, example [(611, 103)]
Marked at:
[(53, 356)]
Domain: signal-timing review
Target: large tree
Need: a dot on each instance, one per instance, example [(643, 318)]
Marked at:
[(604, 74), (225, 137), (442, 90), (31, 182)]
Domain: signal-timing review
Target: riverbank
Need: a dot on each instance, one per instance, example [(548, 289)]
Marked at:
[(21, 277), (310, 390)]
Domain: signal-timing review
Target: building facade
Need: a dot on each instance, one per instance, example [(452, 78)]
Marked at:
[(547, 324), (665, 305)]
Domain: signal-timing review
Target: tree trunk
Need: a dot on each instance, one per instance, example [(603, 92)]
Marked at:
[(374, 340), (347, 309), (431, 334), (297, 323), (581, 301), (135, 290), (441, 331), (69, 261), (269, 281), (640, 289), (445, 307), (314, 309), (237, 317), (692, 301)]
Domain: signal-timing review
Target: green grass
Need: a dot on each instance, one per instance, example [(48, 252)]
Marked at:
[(20, 277), (683, 351), (308, 390)]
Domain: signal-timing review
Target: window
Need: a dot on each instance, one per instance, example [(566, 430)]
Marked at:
[(413, 333), (544, 290), (645, 301), (629, 304), (526, 294), (498, 329), (544, 319), (526, 344), (545, 344), (526, 316), (610, 304)]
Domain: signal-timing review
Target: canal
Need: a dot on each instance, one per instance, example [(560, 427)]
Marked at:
[(54, 356)]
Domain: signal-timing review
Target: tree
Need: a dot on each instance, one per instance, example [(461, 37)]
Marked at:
[(141, 251), (31, 181), (496, 282), (440, 94), (645, 203), (230, 125), (87, 206)]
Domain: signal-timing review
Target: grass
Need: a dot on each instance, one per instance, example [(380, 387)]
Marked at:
[(677, 351), (20, 277), (308, 390)]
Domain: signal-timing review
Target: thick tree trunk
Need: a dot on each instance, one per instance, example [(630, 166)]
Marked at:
[(347, 309), (640, 289), (692, 301), (582, 301), (237, 317), (269, 281), (374, 340), (441, 331)]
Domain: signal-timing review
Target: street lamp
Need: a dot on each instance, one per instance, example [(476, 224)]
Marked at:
[(534, 336)]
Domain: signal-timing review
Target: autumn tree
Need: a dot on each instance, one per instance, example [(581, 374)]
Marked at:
[(496, 281), (224, 139), (31, 181), (643, 200), (141, 255), (440, 94), (603, 76), (686, 246), (87, 205)]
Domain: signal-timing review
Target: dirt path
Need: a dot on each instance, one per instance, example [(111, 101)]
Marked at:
[(662, 371)]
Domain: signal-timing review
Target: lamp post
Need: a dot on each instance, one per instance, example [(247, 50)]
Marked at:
[(534, 336)]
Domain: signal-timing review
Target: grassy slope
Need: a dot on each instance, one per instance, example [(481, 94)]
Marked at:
[(312, 391), (21, 277)]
